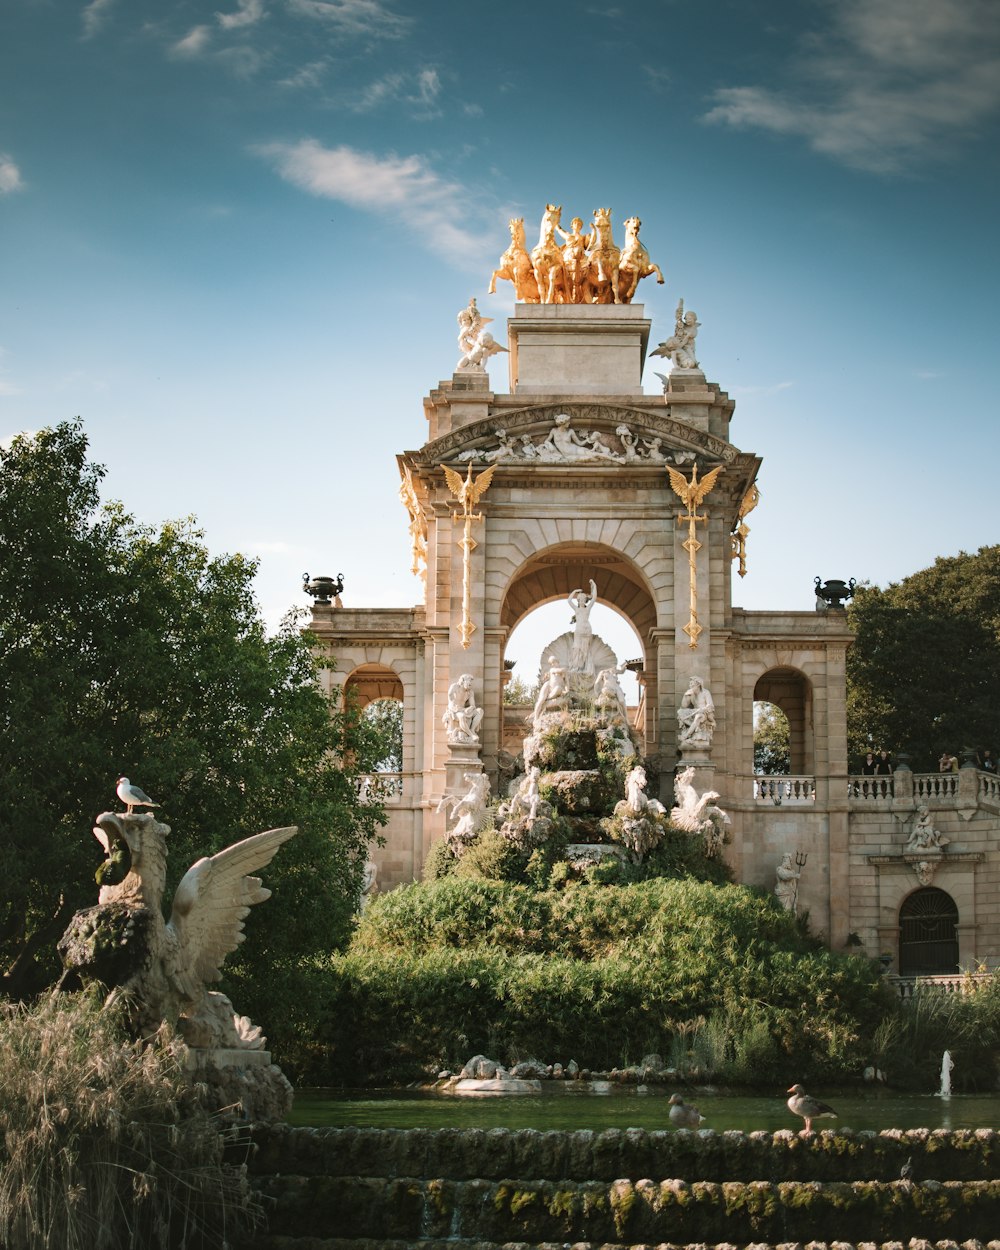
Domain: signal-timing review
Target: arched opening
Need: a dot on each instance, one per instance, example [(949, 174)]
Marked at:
[(373, 681), (791, 692), (378, 692), (928, 938), (536, 610), (771, 754)]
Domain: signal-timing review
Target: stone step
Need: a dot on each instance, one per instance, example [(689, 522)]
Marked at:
[(416, 1211), (278, 1242), (584, 1155)]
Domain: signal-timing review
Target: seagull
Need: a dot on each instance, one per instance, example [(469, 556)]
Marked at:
[(684, 1114), (132, 796), (808, 1108)]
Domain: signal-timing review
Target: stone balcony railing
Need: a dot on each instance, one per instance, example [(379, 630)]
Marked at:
[(966, 789), (781, 791), (955, 983), (380, 787)]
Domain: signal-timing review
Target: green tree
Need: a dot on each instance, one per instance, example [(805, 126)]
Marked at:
[(924, 671), (771, 753), (126, 649), (385, 717), (517, 691)]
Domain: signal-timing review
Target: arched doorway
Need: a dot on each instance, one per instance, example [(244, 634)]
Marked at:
[(928, 937)]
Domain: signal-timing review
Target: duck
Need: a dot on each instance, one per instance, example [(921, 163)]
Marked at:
[(684, 1114), (808, 1108)]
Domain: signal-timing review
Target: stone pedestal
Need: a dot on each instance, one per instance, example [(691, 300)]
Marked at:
[(577, 349), (462, 758), (243, 1084)]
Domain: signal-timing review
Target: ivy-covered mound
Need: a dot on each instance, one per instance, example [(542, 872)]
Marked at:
[(716, 978)]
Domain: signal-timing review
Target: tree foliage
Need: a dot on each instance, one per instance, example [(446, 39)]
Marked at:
[(127, 649), (771, 750), (924, 670), (385, 717)]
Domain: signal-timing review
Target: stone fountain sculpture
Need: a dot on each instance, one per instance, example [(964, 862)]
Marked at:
[(166, 966), (699, 813)]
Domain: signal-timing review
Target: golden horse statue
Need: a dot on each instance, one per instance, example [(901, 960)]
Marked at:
[(600, 285), (515, 266), (547, 259), (634, 263)]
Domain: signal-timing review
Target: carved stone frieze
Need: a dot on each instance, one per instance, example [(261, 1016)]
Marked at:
[(676, 436)]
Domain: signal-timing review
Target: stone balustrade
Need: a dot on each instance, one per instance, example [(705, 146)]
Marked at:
[(933, 787), (870, 788), (957, 983), (381, 787), (784, 791), (968, 788)]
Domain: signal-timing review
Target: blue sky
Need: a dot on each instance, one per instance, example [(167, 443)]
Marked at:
[(234, 239)]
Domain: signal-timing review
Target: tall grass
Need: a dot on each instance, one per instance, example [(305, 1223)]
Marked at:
[(103, 1145)]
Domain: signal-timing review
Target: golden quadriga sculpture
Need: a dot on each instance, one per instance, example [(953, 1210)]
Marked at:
[(582, 269)]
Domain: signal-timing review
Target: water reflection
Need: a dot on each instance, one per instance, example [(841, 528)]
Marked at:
[(566, 1108)]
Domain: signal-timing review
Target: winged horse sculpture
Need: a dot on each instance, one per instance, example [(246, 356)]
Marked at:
[(166, 966)]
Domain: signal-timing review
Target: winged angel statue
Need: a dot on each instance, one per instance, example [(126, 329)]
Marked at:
[(167, 966)]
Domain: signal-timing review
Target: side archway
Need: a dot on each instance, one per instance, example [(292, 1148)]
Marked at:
[(368, 682), (791, 691)]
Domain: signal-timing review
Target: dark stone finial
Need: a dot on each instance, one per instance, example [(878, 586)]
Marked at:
[(323, 589), (831, 594)]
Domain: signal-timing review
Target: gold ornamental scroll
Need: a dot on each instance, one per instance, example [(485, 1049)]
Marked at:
[(739, 535), (468, 493), (691, 495)]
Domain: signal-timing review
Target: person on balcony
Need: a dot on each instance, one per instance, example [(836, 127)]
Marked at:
[(883, 764)]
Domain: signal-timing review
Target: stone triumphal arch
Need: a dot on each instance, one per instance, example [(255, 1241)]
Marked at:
[(578, 482)]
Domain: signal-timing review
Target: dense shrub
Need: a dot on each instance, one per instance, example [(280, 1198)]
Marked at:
[(599, 974), (102, 1143)]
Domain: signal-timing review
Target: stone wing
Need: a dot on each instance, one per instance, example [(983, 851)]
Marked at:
[(211, 902)]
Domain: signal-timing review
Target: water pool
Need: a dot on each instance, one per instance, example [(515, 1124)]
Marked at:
[(564, 1107)]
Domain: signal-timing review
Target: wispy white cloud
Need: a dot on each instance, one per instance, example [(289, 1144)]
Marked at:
[(94, 15), (354, 17), (248, 13), (887, 83), (657, 78), (195, 43), (418, 91), (307, 77), (403, 188), (10, 175)]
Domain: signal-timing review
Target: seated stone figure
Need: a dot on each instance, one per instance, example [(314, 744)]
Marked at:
[(461, 717)]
